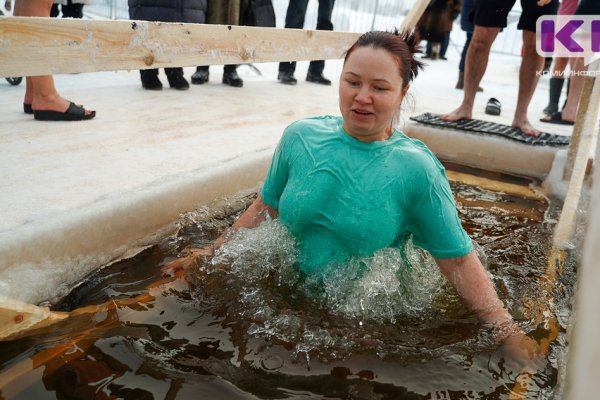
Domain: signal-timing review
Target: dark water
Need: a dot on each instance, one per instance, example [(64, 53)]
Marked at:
[(261, 331)]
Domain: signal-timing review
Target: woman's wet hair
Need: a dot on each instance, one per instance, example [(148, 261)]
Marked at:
[(402, 45)]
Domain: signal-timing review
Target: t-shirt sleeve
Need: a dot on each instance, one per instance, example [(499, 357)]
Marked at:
[(277, 176), (435, 224)]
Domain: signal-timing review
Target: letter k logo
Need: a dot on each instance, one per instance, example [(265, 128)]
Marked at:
[(563, 36)]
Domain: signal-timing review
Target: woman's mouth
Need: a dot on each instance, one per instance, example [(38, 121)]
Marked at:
[(362, 113)]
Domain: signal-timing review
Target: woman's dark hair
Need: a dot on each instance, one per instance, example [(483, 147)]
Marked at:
[(401, 45)]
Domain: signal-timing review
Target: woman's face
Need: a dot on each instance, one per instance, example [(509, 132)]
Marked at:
[(370, 93)]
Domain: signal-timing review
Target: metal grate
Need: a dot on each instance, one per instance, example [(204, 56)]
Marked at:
[(492, 128)]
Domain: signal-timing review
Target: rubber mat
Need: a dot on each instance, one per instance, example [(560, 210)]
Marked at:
[(491, 128)]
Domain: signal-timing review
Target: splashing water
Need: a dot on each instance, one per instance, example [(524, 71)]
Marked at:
[(320, 313), (392, 282)]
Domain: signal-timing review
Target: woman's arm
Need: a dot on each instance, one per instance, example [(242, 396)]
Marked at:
[(470, 279), (251, 218)]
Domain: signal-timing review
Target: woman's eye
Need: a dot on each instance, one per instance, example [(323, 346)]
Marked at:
[(380, 89)]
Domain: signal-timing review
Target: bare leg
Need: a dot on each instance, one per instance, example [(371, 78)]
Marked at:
[(531, 64), (476, 64), (569, 113), (560, 64), (40, 91)]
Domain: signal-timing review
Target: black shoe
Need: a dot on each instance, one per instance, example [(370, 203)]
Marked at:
[(177, 81), (232, 79), (287, 78), (151, 82), (200, 76), (317, 78)]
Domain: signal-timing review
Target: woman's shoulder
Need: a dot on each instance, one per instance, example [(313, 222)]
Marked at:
[(324, 122), (313, 126), (416, 152)]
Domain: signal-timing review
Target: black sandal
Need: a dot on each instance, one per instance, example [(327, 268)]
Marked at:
[(27, 108), (493, 106), (73, 113)]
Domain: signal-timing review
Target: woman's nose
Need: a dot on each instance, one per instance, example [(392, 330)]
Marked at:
[(363, 95)]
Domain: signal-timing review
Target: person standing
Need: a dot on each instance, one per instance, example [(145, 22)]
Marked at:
[(490, 16), (235, 12), (435, 26), (467, 25), (41, 97), (568, 114), (192, 11), (294, 18)]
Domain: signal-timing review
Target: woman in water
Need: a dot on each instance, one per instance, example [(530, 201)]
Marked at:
[(351, 185)]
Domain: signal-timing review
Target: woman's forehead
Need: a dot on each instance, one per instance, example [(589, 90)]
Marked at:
[(372, 60)]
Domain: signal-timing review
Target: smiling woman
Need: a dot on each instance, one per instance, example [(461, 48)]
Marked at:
[(371, 89), (350, 186)]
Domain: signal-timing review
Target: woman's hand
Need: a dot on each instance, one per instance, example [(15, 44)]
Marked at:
[(542, 3), (186, 262), (522, 350)]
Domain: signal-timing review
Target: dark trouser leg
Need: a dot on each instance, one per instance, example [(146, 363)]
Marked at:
[(170, 72), (72, 10), (294, 19), (54, 11), (323, 24), (463, 56), (556, 86), (148, 73), (428, 49), (445, 43)]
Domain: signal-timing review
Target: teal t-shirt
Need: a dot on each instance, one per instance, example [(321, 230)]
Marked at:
[(341, 197)]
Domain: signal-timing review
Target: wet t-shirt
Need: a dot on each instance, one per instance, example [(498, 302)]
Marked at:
[(341, 197)]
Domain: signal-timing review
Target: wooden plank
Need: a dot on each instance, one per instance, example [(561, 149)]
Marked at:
[(31, 46), (496, 186)]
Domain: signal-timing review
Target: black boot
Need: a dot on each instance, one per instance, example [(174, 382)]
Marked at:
[(150, 79), (200, 76), (176, 79), (460, 84), (231, 78), (287, 78), (556, 85), (317, 78)]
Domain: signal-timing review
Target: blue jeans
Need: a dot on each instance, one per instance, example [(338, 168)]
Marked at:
[(294, 18)]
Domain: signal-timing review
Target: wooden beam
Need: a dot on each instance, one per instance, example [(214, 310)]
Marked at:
[(31, 46)]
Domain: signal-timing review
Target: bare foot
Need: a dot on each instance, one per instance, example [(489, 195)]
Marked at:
[(461, 112), (525, 126), (56, 103)]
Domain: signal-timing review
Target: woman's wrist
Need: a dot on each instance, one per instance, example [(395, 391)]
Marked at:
[(506, 329), (502, 323)]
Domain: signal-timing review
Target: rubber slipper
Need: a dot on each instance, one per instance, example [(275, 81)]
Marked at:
[(73, 113), (493, 106), (556, 118), (27, 108)]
